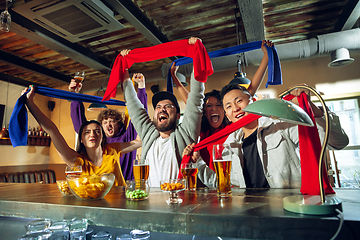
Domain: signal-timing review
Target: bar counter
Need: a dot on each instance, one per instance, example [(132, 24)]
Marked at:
[(250, 214)]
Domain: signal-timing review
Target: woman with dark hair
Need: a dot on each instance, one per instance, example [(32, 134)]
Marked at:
[(93, 153)]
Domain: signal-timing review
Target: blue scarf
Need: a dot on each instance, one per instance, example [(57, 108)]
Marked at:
[(19, 120), (274, 67)]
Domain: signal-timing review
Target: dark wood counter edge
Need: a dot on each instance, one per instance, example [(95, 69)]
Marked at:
[(203, 217)]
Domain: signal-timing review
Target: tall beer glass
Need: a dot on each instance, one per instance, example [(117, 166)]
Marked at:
[(189, 172), (222, 163), (141, 169)]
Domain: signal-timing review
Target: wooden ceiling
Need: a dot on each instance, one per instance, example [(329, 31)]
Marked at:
[(33, 54)]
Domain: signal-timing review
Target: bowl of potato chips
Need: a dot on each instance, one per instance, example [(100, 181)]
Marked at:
[(90, 186), (64, 187)]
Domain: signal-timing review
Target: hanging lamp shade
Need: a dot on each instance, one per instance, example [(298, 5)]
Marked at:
[(239, 77), (96, 107)]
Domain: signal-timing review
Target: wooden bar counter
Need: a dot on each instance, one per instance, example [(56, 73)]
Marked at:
[(250, 214)]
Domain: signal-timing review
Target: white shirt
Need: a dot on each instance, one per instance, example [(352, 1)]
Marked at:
[(162, 161)]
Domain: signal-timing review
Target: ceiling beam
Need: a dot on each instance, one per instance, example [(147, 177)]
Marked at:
[(15, 80), (139, 20), (32, 67), (253, 20), (349, 16)]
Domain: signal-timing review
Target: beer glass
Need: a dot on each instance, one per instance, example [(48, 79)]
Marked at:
[(79, 78), (141, 169), (73, 170), (189, 172), (222, 164)]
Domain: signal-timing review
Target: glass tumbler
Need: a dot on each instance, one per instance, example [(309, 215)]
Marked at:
[(41, 235), (102, 235), (60, 230), (78, 229), (137, 234), (37, 225)]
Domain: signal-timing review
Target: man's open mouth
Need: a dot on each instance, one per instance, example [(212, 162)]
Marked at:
[(240, 115), (163, 117)]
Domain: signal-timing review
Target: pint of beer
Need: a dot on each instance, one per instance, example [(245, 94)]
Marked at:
[(222, 164), (141, 169), (189, 172)]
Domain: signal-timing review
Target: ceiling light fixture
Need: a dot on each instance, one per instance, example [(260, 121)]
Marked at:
[(97, 106), (239, 77), (340, 57), (5, 19)]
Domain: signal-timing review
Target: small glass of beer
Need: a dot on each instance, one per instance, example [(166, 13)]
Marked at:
[(141, 169), (189, 172), (79, 78), (222, 164), (73, 170)]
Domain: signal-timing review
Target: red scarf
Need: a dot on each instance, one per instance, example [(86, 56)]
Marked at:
[(310, 149), (220, 135), (202, 64), (207, 152)]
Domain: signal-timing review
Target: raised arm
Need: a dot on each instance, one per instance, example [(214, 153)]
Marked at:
[(67, 154), (130, 146), (184, 93), (260, 72), (182, 90), (77, 109)]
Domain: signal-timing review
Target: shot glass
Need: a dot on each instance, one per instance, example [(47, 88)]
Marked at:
[(137, 234), (222, 163), (37, 225), (124, 237), (59, 230), (102, 235), (78, 229), (42, 235)]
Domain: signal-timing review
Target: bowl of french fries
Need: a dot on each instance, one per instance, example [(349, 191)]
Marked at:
[(90, 186)]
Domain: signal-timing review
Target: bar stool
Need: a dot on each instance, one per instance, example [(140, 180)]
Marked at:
[(32, 178), (27, 177), (3, 178), (52, 176), (20, 177), (38, 176), (45, 176), (11, 177)]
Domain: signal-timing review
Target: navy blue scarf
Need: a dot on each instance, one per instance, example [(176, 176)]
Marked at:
[(19, 120)]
